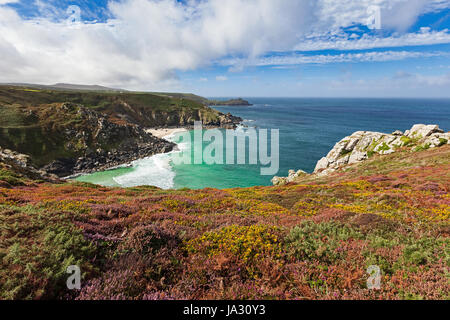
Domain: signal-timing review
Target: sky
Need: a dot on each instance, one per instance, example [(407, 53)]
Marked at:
[(245, 48)]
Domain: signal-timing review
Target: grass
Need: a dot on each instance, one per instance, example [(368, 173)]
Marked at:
[(313, 239), (34, 122)]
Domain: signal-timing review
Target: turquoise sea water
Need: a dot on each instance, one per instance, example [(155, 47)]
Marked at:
[(308, 128)]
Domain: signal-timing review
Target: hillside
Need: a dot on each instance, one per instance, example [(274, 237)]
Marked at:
[(311, 239), (77, 131), (63, 87)]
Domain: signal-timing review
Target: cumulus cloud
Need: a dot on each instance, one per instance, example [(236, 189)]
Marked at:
[(145, 42)]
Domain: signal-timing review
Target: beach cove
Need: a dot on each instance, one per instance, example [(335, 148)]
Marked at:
[(309, 128)]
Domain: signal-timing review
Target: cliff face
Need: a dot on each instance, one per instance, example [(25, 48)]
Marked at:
[(363, 145), (65, 133), (68, 138)]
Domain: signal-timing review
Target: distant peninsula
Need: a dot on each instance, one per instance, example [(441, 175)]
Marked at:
[(231, 102)]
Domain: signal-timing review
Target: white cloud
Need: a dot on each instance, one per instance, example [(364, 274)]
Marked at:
[(221, 78), (296, 59), (2, 2), (395, 14), (146, 42), (344, 42)]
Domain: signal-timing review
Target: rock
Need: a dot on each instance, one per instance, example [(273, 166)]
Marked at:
[(362, 144), (352, 144), (321, 164), (21, 164), (292, 175), (357, 147), (422, 131), (278, 181), (357, 156), (436, 140)]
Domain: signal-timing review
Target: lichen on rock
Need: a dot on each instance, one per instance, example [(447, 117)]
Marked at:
[(362, 145)]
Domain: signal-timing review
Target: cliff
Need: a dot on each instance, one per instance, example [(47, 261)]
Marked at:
[(363, 145), (69, 132)]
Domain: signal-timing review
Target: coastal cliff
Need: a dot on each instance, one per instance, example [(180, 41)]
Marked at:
[(362, 145), (71, 132)]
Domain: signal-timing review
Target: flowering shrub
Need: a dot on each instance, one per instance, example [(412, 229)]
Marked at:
[(312, 240), (247, 243)]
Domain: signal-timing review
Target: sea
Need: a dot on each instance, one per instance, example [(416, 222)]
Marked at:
[(308, 128)]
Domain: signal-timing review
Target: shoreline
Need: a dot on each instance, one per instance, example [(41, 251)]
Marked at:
[(162, 133)]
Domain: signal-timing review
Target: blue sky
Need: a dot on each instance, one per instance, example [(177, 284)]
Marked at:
[(320, 48)]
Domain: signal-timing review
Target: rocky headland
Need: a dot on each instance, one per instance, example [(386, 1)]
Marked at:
[(65, 133), (231, 102), (363, 145)]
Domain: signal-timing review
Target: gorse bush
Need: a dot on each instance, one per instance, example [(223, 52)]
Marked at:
[(247, 243), (313, 240)]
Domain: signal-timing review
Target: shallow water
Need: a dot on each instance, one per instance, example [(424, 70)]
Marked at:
[(309, 128)]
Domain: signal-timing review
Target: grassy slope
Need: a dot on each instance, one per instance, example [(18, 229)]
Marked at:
[(137, 106), (32, 123), (311, 240)]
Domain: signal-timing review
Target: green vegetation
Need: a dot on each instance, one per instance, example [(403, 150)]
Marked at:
[(311, 240), (422, 147), (57, 124), (383, 147), (442, 142)]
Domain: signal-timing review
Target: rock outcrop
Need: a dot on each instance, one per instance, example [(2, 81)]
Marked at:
[(279, 181), (98, 144), (70, 132), (362, 145), (21, 164)]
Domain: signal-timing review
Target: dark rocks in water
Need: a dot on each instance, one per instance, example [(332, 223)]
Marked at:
[(102, 160), (102, 144), (228, 121), (60, 167), (67, 133)]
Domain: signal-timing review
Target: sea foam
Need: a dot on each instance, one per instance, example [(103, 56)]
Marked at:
[(155, 171)]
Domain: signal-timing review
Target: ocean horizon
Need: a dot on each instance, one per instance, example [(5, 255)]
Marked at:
[(309, 128)]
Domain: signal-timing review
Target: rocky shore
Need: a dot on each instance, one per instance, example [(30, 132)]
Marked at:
[(137, 143), (362, 145), (101, 160), (101, 144)]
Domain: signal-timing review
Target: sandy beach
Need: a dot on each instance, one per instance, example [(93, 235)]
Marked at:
[(164, 132)]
